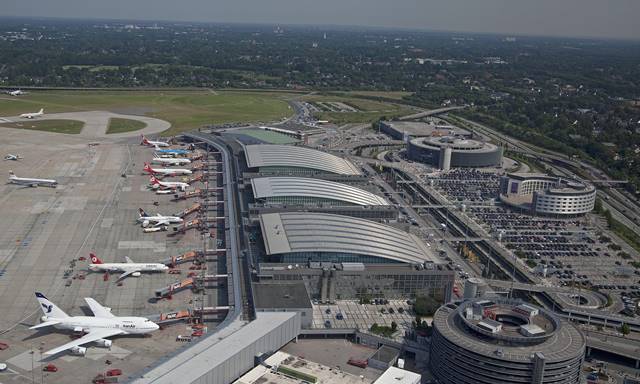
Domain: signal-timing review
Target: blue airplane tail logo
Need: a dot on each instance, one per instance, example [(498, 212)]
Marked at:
[(47, 308)]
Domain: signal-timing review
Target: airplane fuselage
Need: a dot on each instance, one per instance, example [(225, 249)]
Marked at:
[(124, 267), (170, 161), (32, 182), (170, 171), (129, 325)]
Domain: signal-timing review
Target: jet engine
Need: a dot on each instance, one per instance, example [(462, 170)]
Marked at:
[(135, 274), (78, 330), (79, 351), (43, 319), (104, 343), (145, 224)]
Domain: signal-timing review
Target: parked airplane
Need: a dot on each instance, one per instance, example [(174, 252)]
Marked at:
[(172, 152), (166, 171), (17, 92), (155, 183), (97, 328), (128, 269), (170, 160), (33, 114), (31, 182), (12, 157), (158, 220), (151, 143)]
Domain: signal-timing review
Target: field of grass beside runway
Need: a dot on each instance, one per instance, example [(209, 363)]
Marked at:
[(58, 126), (368, 110), (117, 125), (185, 110)]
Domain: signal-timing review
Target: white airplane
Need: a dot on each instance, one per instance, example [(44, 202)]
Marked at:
[(97, 328), (128, 269), (12, 157), (158, 220), (166, 171), (155, 183), (13, 179), (17, 92), (170, 160), (151, 143), (33, 114)]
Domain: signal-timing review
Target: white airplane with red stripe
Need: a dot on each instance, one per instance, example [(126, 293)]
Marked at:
[(166, 171), (152, 143), (155, 183), (128, 269)]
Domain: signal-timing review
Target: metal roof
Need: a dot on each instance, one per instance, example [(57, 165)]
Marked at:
[(264, 155), (264, 187), (287, 232)]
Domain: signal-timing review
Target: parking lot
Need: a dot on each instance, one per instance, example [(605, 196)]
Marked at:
[(93, 209), (351, 314)]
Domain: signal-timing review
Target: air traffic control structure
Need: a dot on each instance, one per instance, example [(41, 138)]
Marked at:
[(541, 194), (504, 341)]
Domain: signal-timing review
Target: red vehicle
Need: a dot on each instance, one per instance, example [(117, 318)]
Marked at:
[(114, 372), (197, 333), (82, 258), (175, 271), (3, 346), (50, 368), (358, 363)]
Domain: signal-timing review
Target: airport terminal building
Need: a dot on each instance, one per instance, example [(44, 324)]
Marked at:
[(341, 257), (547, 195)]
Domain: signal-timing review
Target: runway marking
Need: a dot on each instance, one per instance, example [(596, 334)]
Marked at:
[(157, 247), (5, 120)]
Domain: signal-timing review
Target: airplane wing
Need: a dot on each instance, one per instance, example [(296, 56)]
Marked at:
[(45, 324), (97, 309), (160, 223), (93, 335), (127, 273)]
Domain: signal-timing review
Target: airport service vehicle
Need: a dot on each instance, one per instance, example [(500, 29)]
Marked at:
[(155, 183), (158, 220), (169, 160), (151, 143), (166, 171), (97, 328), (11, 156), (128, 269), (13, 179), (33, 114)]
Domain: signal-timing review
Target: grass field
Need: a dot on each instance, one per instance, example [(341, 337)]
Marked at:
[(369, 110), (58, 126), (117, 125), (185, 110)]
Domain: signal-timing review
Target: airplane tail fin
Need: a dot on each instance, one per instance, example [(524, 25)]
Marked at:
[(41, 111), (95, 259), (128, 259), (142, 212), (11, 174), (154, 180), (147, 167), (143, 140), (48, 308)]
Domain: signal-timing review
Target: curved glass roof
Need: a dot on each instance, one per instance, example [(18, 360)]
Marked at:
[(264, 155)]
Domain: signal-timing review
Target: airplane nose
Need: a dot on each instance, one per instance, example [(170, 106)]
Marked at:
[(155, 327)]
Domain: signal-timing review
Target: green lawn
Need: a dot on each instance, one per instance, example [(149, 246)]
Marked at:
[(117, 125), (369, 110), (267, 136), (59, 126), (185, 110)]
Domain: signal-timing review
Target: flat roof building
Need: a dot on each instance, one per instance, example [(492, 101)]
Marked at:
[(284, 297), (449, 152), (295, 160), (400, 130)]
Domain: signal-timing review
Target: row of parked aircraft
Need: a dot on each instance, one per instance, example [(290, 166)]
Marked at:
[(103, 324)]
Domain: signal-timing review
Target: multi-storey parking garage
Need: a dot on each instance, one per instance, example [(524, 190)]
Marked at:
[(449, 151), (547, 195), (504, 341)]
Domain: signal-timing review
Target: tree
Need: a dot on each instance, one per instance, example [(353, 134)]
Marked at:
[(598, 206), (425, 306), (394, 326), (624, 329)]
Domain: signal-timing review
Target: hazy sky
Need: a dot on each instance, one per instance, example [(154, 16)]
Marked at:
[(596, 18)]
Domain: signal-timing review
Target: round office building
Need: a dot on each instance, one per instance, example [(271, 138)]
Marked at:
[(504, 341), (448, 151)]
